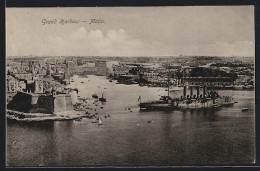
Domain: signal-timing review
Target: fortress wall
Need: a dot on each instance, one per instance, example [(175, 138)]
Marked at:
[(21, 102), (38, 103), (74, 97), (44, 105), (59, 103), (69, 105), (34, 100)]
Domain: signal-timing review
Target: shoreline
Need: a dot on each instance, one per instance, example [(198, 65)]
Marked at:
[(29, 117)]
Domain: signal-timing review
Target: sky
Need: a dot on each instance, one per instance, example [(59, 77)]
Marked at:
[(132, 31)]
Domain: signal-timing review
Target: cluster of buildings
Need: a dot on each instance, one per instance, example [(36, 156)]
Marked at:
[(41, 75), (243, 70), (83, 67), (45, 79), (151, 74), (178, 74), (38, 85)]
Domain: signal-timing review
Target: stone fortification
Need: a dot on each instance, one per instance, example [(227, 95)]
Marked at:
[(40, 103)]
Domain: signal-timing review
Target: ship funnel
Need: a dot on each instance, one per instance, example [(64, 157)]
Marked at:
[(191, 92), (184, 91), (198, 91), (204, 91)]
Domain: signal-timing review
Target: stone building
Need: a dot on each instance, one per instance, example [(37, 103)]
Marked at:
[(14, 85), (38, 86)]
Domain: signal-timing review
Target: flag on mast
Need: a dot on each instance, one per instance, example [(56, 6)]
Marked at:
[(139, 98)]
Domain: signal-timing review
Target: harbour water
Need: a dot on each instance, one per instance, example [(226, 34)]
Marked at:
[(126, 138)]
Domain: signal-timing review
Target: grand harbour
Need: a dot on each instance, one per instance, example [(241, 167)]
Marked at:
[(112, 110), (164, 86)]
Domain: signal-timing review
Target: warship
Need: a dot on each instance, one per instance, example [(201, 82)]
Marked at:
[(208, 99)]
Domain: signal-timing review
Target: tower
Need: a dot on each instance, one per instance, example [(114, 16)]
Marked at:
[(48, 72), (30, 66), (69, 67), (33, 67), (38, 86), (21, 65)]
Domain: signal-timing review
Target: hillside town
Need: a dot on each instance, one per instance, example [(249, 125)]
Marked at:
[(39, 85), (44, 75)]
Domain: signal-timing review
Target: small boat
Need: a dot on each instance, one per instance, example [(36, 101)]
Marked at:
[(216, 106), (95, 96), (244, 109), (102, 99), (99, 122), (78, 119)]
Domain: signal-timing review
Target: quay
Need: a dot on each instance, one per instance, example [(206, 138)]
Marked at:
[(29, 117)]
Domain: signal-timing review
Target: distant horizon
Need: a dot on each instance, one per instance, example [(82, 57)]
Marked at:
[(135, 56)]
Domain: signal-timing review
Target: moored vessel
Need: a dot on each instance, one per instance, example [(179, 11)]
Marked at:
[(102, 99), (95, 96), (208, 99)]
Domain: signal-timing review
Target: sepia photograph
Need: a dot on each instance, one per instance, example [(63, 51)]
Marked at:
[(130, 86)]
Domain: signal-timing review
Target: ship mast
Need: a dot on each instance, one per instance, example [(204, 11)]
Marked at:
[(168, 81)]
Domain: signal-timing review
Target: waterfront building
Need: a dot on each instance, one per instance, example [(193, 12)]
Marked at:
[(128, 78), (101, 64), (20, 85), (10, 84), (90, 64), (101, 67), (14, 85), (23, 75), (151, 75), (119, 69)]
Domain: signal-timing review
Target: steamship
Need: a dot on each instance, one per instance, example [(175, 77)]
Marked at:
[(208, 99)]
